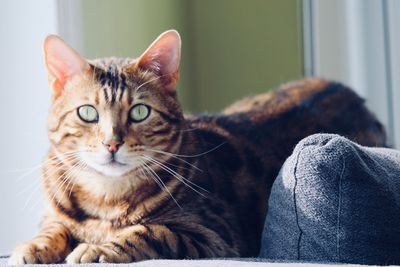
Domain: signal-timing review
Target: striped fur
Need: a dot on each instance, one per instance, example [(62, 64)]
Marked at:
[(203, 191)]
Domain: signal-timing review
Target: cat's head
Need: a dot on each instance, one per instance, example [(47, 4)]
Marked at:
[(111, 114)]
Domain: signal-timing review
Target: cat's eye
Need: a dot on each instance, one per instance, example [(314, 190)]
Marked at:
[(88, 113), (139, 113)]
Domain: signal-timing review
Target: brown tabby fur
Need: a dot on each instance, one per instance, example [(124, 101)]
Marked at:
[(223, 167)]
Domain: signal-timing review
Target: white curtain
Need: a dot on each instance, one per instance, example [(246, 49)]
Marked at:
[(357, 42)]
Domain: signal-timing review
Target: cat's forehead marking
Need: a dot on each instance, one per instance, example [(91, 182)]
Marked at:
[(113, 82)]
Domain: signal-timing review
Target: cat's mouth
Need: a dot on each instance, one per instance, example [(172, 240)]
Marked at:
[(112, 167), (109, 165), (113, 163)]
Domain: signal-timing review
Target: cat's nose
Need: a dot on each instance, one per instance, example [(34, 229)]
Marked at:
[(113, 145)]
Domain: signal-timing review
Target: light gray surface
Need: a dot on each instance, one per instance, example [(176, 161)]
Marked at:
[(193, 263)]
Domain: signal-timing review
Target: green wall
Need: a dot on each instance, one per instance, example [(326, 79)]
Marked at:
[(231, 48)]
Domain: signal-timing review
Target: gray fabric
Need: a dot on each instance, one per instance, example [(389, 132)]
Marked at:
[(335, 201)]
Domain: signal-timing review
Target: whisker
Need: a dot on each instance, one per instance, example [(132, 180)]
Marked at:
[(24, 169), (74, 182), (142, 172), (149, 173), (155, 175), (175, 157), (60, 156), (37, 201), (70, 177), (31, 170), (185, 181), (59, 165), (187, 130), (177, 166), (36, 167), (46, 175), (63, 180), (31, 195), (149, 81), (29, 187), (200, 154), (194, 184), (36, 188)]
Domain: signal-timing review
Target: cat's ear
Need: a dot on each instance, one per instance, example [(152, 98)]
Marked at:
[(163, 57), (62, 63)]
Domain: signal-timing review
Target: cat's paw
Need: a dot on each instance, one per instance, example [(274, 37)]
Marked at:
[(31, 253), (86, 253)]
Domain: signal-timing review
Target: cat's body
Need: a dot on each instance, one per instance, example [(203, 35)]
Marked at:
[(261, 133), (216, 170)]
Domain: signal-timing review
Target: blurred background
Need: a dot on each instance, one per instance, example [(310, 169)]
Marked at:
[(231, 49)]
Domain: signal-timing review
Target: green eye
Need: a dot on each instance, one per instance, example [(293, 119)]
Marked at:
[(88, 113), (139, 113)]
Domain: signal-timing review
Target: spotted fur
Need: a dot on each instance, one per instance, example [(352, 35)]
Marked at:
[(200, 183)]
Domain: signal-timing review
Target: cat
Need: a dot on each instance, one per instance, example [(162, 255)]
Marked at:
[(129, 177)]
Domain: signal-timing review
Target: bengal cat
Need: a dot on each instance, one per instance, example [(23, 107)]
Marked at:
[(129, 177)]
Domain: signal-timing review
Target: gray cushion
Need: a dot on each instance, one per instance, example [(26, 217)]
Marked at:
[(335, 201)]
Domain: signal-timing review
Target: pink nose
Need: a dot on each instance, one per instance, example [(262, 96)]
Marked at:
[(113, 145)]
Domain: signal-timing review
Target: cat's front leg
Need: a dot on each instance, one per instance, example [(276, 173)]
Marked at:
[(142, 242), (87, 253), (129, 245), (50, 246)]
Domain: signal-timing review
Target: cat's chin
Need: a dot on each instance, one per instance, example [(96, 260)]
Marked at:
[(112, 169)]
